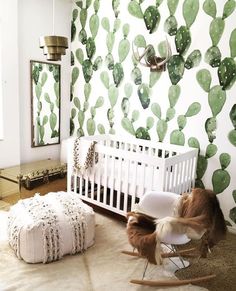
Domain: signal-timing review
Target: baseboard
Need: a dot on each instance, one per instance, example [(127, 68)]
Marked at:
[(232, 229)]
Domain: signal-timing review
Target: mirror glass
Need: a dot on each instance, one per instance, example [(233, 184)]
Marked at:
[(45, 103)]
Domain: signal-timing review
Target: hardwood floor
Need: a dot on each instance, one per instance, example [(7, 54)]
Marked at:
[(52, 186)]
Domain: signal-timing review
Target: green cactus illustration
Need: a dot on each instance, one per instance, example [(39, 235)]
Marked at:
[(182, 40), (115, 6), (232, 133), (123, 49), (74, 77), (193, 60), (91, 125), (204, 79), (144, 95), (87, 68), (190, 11), (52, 117), (125, 104), (101, 129), (209, 6), (220, 177), (105, 79), (216, 99), (229, 8), (162, 124), (172, 6), (227, 73), (193, 143), (72, 59), (216, 30), (83, 36), (90, 47), (234, 195), (210, 127), (128, 124), (151, 18), (142, 132), (94, 25), (232, 43), (97, 63), (41, 73), (232, 214), (135, 9), (136, 75), (211, 150), (202, 164), (118, 74), (177, 136), (79, 55), (72, 124), (73, 26), (171, 25), (213, 56), (175, 68)]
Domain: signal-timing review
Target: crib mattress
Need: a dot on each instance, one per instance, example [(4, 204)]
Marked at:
[(45, 228)]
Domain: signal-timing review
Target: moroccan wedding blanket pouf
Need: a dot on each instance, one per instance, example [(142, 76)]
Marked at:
[(45, 228)]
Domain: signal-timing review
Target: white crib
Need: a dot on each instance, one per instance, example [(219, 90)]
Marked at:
[(126, 168)]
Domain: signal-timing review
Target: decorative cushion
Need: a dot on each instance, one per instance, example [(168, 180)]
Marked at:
[(45, 228)]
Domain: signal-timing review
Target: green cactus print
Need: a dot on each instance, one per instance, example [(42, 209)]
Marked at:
[(135, 98), (232, 133), (45, 114), (177, 136), (190, 11), (221, 178)]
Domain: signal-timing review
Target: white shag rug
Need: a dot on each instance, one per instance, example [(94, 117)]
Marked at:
[(101, 268)]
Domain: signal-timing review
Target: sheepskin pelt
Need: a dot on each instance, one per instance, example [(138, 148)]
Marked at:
[(199, 217)]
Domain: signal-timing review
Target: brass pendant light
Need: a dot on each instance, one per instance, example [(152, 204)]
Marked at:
[(53, 45)]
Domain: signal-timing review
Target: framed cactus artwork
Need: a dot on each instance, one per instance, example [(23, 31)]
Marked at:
[(45, 103)]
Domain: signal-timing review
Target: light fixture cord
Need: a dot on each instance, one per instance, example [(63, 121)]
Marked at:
[(53, 17)]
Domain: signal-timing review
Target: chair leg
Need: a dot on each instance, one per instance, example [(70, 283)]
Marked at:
[(145, 269), (162, 283)]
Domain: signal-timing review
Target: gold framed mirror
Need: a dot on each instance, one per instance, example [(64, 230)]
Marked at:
[(45, 103)]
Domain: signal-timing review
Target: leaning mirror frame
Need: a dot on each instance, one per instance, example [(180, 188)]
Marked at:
[(45, 103)]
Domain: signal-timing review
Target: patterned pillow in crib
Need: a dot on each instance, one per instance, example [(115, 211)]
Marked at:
[(45, 228)]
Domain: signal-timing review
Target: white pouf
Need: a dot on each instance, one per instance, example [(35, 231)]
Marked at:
[(45, 228)]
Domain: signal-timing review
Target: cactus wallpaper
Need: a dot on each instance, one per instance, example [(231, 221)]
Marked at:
[(45, 103), (192, 102)]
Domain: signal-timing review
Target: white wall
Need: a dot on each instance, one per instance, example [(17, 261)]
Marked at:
[(35, 20), (10, 146)]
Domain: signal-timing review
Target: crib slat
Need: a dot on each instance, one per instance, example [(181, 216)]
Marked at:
[(126, 187), (184, 177), (119, 182), (134, 183), (191, 174), (105, 180), (86, 186), (80, 185), (112, 181), (98, 179)]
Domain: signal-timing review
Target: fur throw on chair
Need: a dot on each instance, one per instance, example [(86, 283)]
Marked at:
[(199, 217)]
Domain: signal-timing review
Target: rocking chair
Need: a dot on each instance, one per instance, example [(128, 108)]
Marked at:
[(155, 207)]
